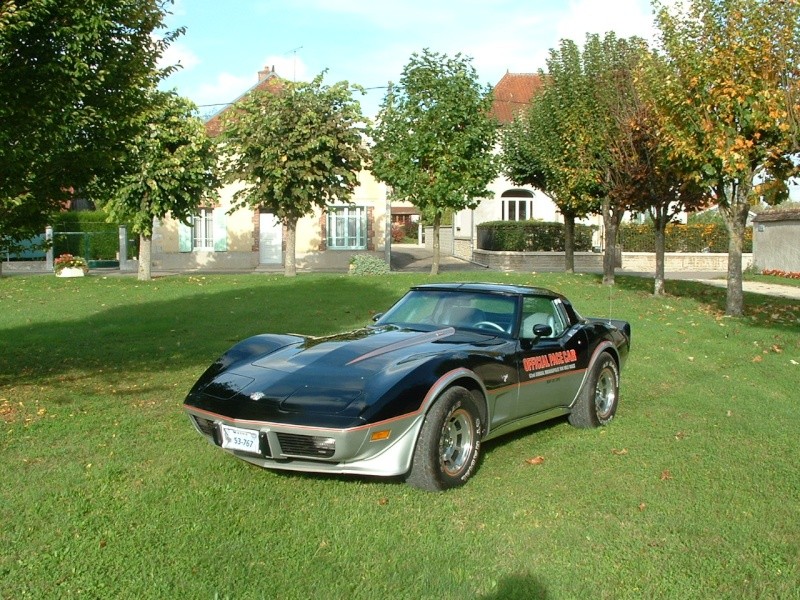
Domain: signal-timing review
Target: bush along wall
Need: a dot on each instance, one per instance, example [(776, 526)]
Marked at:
[(531, 236), (698, 237), (86, 234)]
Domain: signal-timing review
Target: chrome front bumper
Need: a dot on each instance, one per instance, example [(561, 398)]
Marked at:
[(383, 449)]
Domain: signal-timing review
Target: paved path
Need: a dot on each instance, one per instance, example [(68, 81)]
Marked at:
[(757, 287)]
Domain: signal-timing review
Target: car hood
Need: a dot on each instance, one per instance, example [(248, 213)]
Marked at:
[(324, 375)]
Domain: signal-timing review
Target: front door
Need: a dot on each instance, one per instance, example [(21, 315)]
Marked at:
[(548, 366), (270, 240)]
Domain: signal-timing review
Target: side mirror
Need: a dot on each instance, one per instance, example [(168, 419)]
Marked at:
[(376, 317), (542, 331)]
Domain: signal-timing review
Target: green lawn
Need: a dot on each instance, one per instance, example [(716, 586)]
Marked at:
[(775, 279), (108, 492)]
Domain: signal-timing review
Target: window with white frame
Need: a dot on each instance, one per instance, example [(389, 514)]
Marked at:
[(203, 230), (347, 228), (517, 205)]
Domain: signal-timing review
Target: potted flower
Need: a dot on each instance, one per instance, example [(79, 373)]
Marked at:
[(67, 265)]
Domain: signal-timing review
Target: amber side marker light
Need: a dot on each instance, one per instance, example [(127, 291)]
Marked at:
[(379, 436)]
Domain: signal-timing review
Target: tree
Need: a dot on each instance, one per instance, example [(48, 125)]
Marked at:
[(170, 168), (730, 108), (546, 146), (611, 66), (72, 74), (434, 138), (295, 147)]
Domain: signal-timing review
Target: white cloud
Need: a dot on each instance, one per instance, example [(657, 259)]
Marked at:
[(178, 54), (224, 89), (289, 67), (626, 18)]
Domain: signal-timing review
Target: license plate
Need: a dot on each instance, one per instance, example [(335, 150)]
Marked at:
[(236, 438)]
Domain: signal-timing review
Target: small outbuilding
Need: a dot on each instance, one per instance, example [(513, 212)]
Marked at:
[(776, 239)]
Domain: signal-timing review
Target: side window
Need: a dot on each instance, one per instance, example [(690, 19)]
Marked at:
[(542, 311)]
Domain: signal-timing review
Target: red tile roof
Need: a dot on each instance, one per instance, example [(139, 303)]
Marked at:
[(513, 93), (267, 80)]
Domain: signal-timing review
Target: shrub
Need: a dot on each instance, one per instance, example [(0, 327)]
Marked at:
[(87, 234), (367, 264), (398, 232), (696, 237), (531, 236)]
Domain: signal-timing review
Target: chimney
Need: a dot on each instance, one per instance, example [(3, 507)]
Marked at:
[(265, 73)]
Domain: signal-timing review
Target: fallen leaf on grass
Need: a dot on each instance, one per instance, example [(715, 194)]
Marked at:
[(794, 362), (729, 413), (619, 452), (680, 435), (536, 460), (642, 506), (757, 359), (383, 501), (666, 475)]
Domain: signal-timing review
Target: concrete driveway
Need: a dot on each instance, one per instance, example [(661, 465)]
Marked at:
[(412, 258)]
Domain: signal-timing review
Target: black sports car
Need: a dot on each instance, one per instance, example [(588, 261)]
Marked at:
[(444, 369)]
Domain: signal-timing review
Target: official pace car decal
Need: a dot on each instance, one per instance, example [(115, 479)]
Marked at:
[(550, 364)]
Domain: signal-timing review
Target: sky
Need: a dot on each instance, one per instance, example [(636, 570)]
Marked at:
[(369, 42)]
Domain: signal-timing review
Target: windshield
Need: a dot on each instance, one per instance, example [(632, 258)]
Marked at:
[(432, 309)]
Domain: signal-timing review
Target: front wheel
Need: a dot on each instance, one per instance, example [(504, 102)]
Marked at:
[(597, 403), (449, 443)]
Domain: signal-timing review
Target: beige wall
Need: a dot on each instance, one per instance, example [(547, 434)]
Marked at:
[(242, 252)]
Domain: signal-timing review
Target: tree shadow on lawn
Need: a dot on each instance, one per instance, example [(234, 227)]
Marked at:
[(187, 333), (764, 311)]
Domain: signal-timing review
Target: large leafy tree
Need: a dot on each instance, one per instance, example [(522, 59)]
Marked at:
[(549, 146), (730, 109), (170, 168), (72, 74), (611, 67), (294, 147), (434, 138)]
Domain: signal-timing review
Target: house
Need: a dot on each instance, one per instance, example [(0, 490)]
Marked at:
[(247, 239), (507, 202)]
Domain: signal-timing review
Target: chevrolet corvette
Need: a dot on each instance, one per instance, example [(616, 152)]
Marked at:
[(415, 393)]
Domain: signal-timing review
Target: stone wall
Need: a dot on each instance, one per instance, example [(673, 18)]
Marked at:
[(591, 261)]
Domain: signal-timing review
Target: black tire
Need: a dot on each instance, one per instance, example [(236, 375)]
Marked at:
[(597, 402), (449, 443)]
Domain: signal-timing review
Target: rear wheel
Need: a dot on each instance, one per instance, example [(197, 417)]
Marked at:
[(449, 443), (597, 403)]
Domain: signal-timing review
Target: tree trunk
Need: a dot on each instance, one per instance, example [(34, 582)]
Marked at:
[(611, 223), (145, 257), (437, 221), (290, 260), (735, 216), (660, 227), (569, 242)]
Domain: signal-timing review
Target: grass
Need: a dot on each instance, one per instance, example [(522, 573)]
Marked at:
[(107, 491), (773, 279)]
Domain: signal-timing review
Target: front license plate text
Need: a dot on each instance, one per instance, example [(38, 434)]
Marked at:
[(236, 438)]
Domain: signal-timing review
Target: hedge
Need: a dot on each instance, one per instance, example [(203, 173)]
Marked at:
[(531, 236), (88, 234), (699, 237)]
